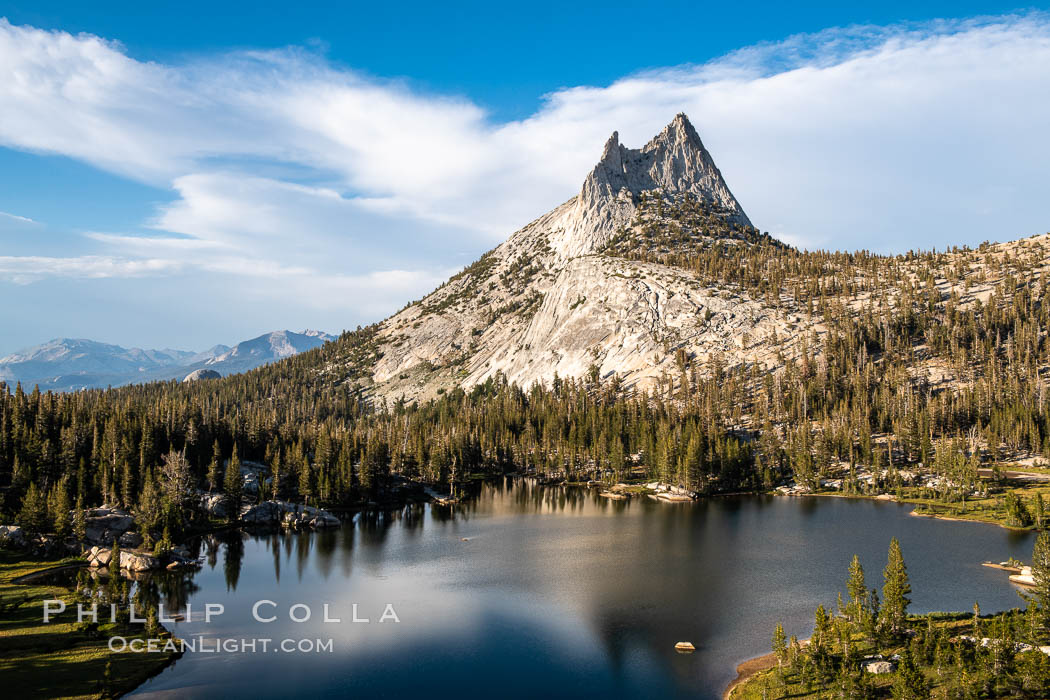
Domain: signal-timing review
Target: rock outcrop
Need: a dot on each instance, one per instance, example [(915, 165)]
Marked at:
[(675, 161), (104, 525), (880, 667), (98, 557), (214, 504), (199, 374), (136, 561), (291, 515), (102, 557), (130, 540), (12, 537)]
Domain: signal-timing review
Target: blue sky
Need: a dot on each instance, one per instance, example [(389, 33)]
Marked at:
[(504, 56), (183, 174)]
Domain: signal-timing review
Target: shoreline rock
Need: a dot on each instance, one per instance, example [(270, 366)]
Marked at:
[(12, 536), (105, 524), (102, 557), (290, 515)]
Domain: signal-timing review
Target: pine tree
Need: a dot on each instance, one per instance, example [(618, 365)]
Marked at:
[(376, 463), (1041, 576), (33, 515), (58, 508), (821, 631), (177, 480), (233, 486), (150, 510), (348, 474), (1016, 511), (616, 457), (213, 467), (895, 590), (910, 683), (780, 647), (275, 475), (857, 589), (114, 557), (306, 481), (79, 521)]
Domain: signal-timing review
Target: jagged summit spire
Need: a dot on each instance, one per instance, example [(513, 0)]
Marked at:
[(678, 136), (611, 152), (680, 130), (675, 162)]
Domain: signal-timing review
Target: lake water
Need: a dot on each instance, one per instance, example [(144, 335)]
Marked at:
[(557, 592)]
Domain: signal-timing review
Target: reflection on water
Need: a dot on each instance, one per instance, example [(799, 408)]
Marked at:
[(526, 589)]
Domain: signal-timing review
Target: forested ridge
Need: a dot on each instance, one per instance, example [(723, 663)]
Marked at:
[(931, 358)]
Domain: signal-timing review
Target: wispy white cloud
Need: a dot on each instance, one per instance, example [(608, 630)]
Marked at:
[(248, 282), (26, 269), (141, 245), (16, 217)]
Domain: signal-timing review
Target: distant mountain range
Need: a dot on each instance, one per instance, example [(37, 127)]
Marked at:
[(69, 364)]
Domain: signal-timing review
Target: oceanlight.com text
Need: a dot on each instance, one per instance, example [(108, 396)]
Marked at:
[(215, 645)]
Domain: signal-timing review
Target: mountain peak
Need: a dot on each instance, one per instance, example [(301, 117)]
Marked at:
[(679, 131), (556, 299), (674, 162)]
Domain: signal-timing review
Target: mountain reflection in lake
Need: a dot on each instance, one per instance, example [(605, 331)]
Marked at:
[(527, 590)]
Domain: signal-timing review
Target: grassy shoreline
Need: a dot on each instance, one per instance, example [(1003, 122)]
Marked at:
[(62, 659), (990, 510), (746, 670)]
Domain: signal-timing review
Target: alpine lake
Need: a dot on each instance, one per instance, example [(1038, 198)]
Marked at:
[(525, 591)]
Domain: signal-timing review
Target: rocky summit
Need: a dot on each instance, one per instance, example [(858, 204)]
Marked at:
[(572, 295)]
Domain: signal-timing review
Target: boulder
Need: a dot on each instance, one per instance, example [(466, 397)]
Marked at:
[(131, 540), (267, 512), (880, 667), (12, 536), (251, 483), (315, 517), (98, 557), (326, 519), (254, 478), (214, 504), (103, 525), (290, 515), (129, 561), (48, 545), (134, 561)]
